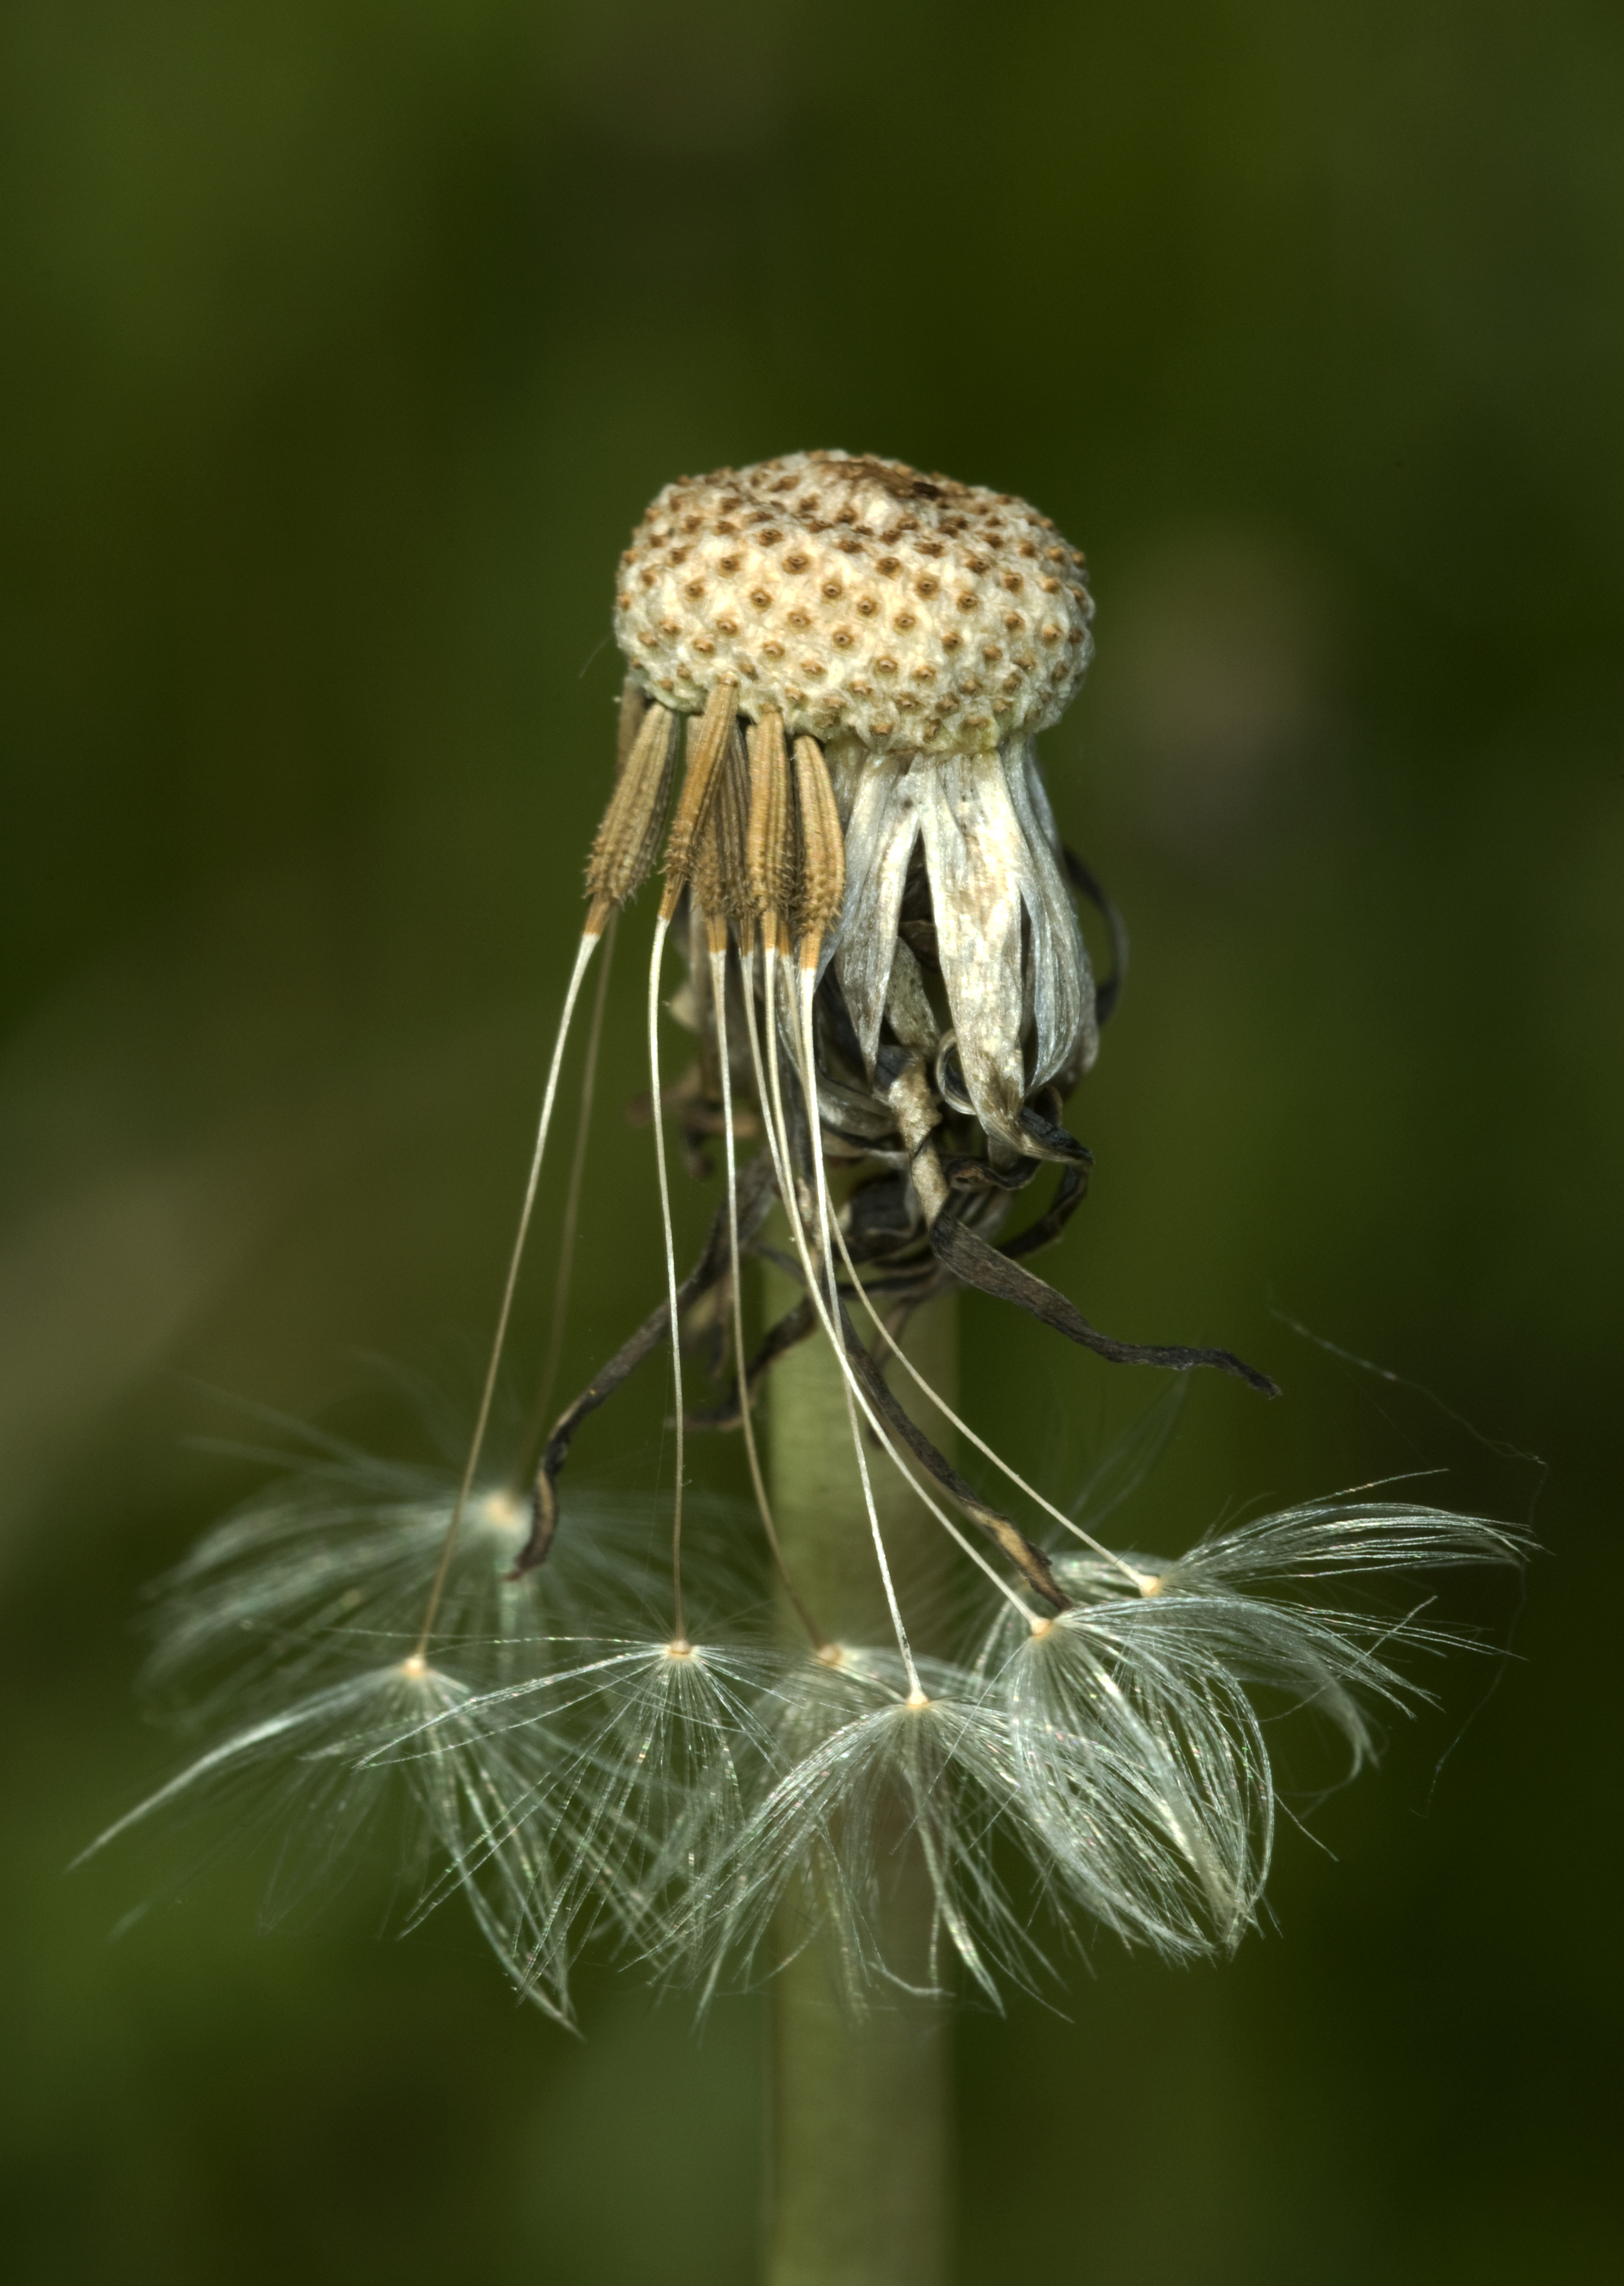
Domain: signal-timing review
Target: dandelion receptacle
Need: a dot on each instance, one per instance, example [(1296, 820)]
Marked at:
[(963, 1728)]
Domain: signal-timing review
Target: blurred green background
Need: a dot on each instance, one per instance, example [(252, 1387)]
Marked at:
[(343, 343)]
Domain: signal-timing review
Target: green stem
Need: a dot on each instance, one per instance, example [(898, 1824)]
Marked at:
[(860, 2105)]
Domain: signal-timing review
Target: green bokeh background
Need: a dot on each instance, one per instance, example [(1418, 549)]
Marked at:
[(343, 343)]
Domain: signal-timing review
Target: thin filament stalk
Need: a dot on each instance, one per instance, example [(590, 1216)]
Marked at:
[(662, 924), (778, 1149), (830, 1325), (719, 1000), (965, 1430), (746, 961), (826, 1221), (588, 946), (537, 1420)]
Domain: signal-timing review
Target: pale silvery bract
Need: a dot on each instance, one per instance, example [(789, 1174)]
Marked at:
[(1012, 957)]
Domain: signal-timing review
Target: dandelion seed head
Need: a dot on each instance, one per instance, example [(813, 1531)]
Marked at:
[(860, 598)]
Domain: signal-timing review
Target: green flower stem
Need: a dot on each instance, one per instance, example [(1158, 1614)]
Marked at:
[(860, 2105)]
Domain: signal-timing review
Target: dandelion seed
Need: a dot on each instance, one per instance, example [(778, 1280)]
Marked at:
[(883, 1759), (324, 1774), (665, 1744), (1141, 1753), (329, 1569)]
